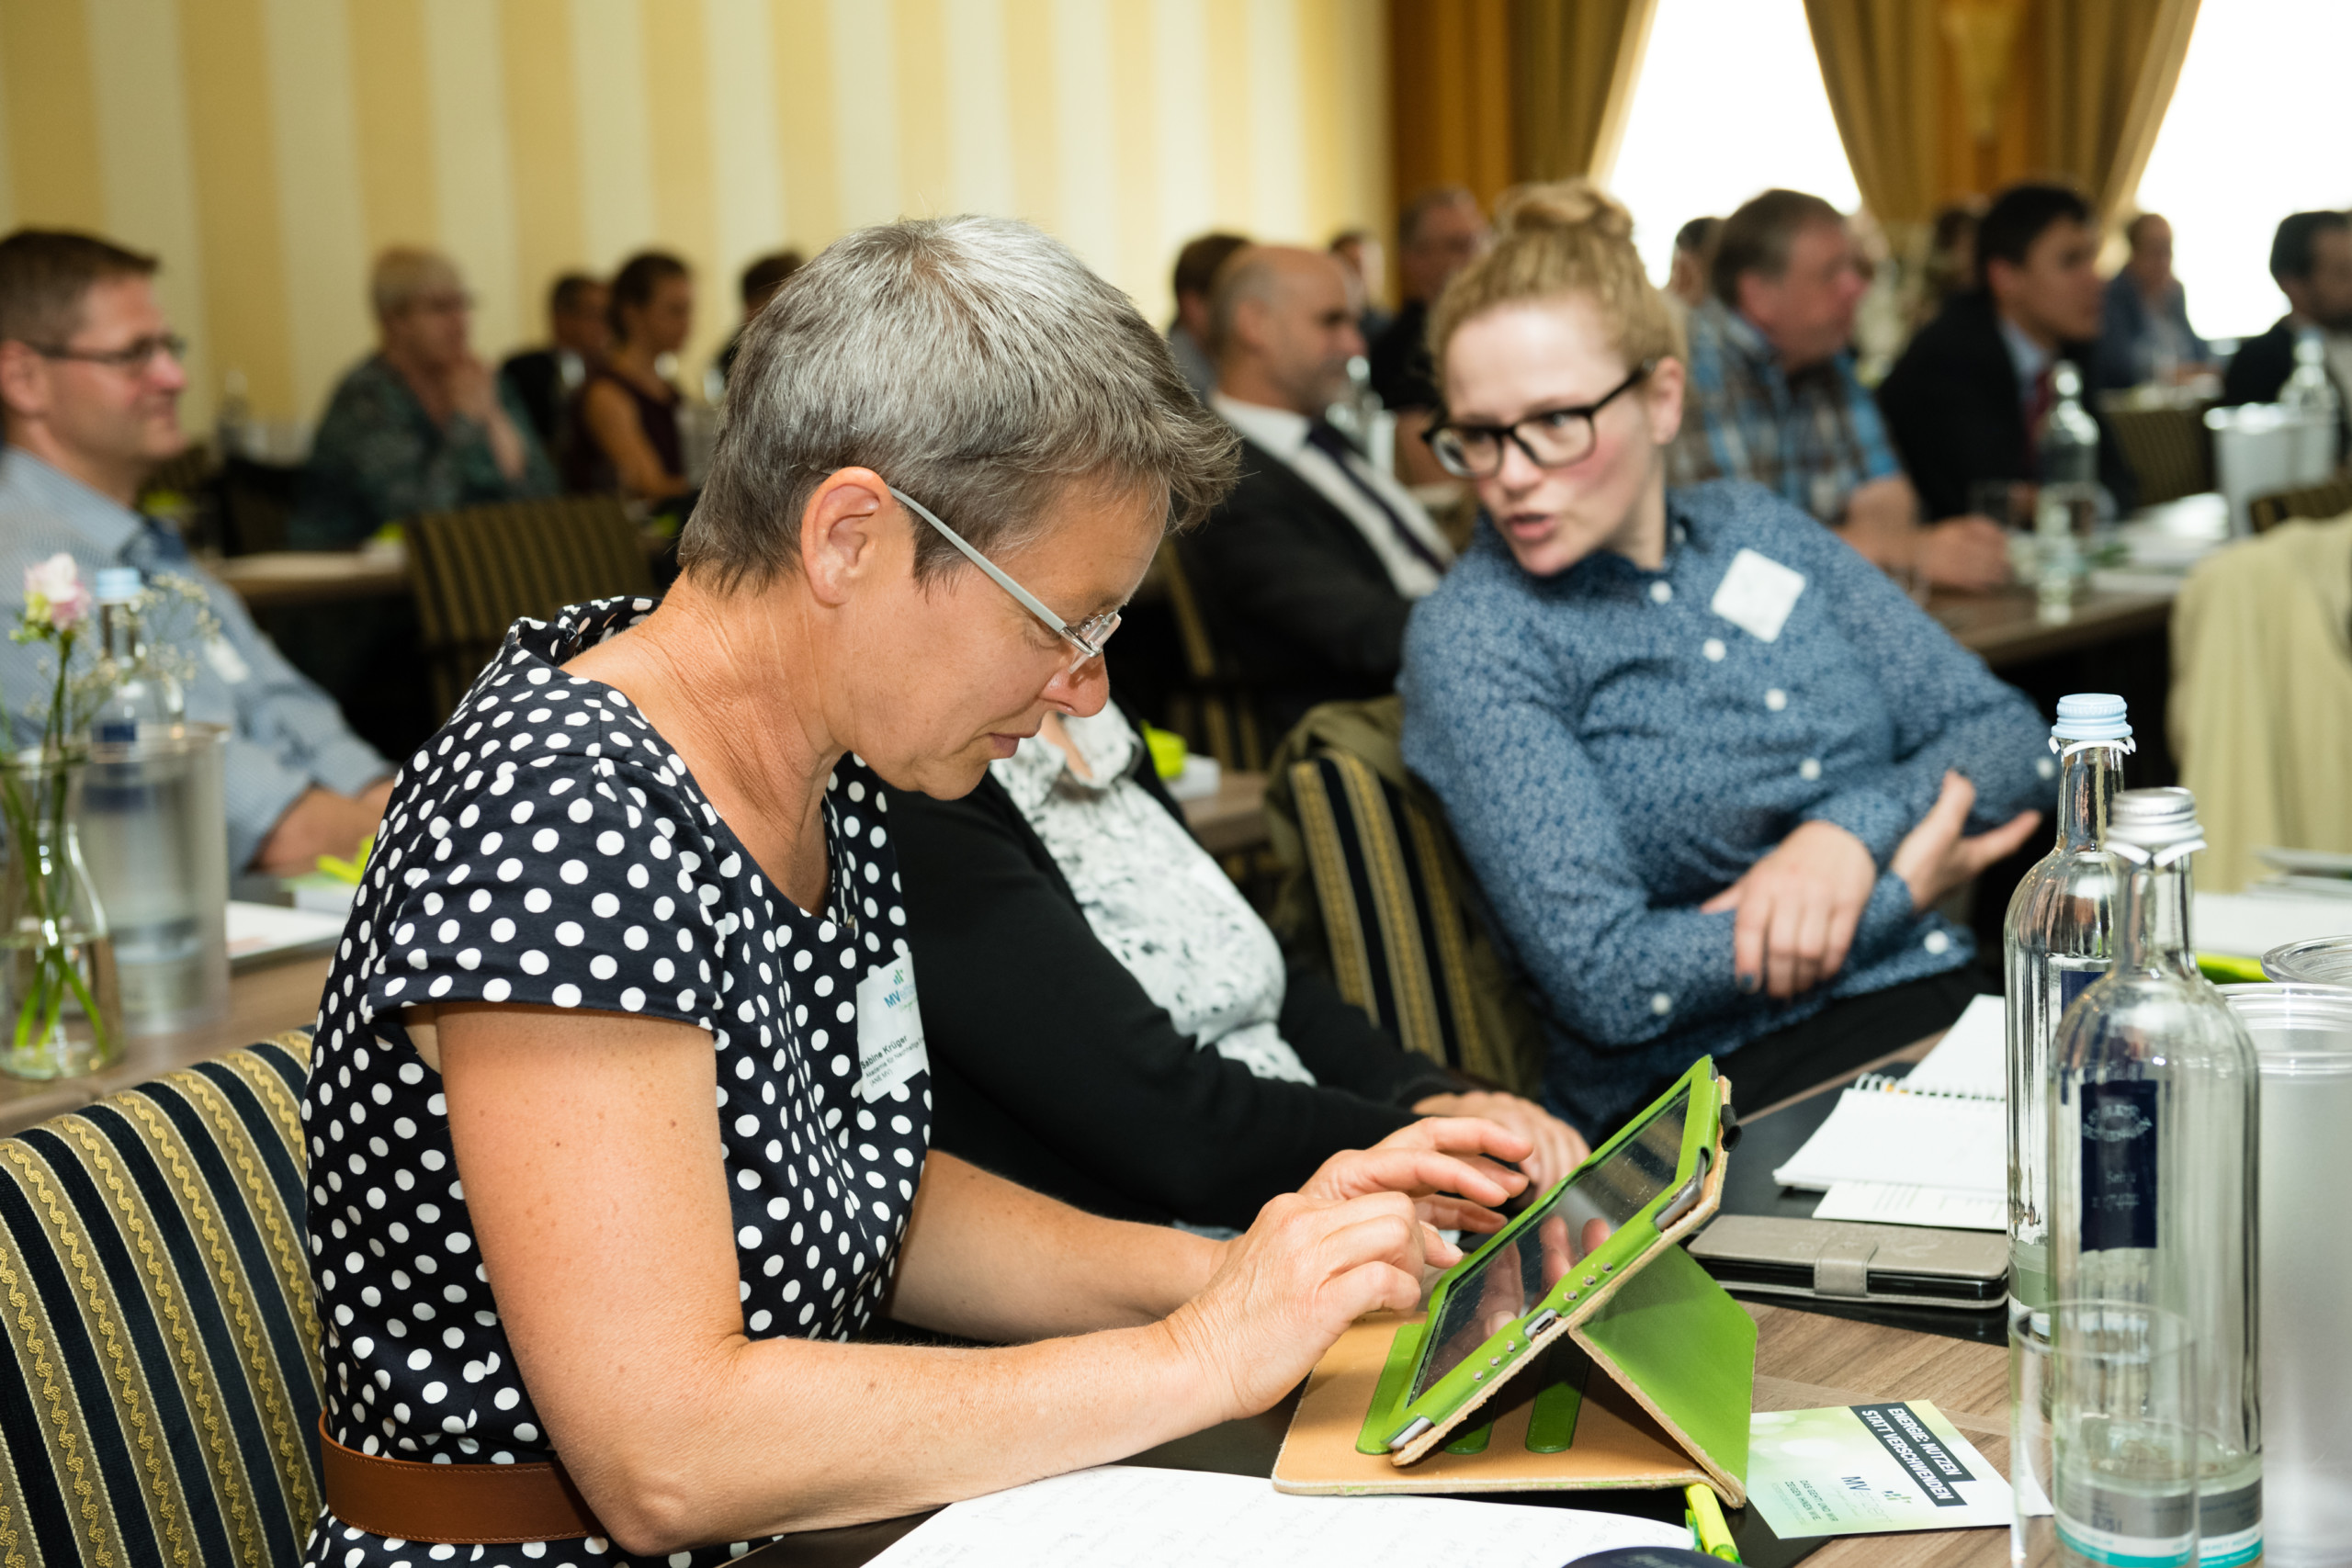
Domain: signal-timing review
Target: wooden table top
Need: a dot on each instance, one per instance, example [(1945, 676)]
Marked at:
[(2007, 628), (265, 1001), (274, 577), (1232, 819)]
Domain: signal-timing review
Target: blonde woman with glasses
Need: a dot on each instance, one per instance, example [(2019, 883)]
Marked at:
[(1713, 771)]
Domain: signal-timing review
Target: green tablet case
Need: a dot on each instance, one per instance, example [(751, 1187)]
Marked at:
[(1677, 1358)]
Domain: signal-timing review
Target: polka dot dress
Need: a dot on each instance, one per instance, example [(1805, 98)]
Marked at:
[(547, 847)]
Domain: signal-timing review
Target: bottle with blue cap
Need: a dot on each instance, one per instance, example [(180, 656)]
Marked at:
[(2153, 1144), (2058, 938), (137, 694)]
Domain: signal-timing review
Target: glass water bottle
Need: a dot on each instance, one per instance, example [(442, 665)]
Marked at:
[(2057, 939), (136, 695), (2067, 503), (2152, 1160)]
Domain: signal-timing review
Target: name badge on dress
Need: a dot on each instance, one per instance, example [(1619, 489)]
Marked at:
[(1757, 594), (889, 1030)]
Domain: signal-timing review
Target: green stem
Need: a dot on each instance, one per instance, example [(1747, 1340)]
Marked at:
[(89, 1006)]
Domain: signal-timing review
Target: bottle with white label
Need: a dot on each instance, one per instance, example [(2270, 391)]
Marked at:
[(2152, 1162), (2057, 939)]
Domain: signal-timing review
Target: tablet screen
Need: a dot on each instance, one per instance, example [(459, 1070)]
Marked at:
[(1510, 1281)]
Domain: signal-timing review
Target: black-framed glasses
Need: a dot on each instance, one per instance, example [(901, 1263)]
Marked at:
[(135, 356), (1552, 438)]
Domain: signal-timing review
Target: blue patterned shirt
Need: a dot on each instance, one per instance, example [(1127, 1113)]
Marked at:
[(1611, 754), (285, 734), (1814, 437)]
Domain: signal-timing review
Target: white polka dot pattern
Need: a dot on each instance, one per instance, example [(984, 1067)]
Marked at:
[(547, 847)]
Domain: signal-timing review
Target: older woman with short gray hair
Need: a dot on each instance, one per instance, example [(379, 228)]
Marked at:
[(619, 1110), (420, 426)]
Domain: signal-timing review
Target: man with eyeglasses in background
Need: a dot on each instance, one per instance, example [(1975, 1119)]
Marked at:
[(90, 380), (1773, 398), (1308, 569)]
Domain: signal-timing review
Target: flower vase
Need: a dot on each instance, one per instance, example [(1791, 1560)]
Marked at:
[(60, 1013)]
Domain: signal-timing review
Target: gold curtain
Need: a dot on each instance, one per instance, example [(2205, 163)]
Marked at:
[(1880, 64), (2108, 69), (1573, 65), (1937, 100), (1449, 66)]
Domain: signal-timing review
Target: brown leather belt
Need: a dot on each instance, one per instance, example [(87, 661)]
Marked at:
[(456, 1504)]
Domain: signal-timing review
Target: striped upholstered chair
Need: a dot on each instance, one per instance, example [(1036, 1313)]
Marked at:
[(1373, 882), (477, 571), (159, 1397)]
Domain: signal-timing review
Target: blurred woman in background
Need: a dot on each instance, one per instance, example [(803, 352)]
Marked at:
[(624, 421)]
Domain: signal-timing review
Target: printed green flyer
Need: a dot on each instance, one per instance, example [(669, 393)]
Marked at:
[(1867, 1469)]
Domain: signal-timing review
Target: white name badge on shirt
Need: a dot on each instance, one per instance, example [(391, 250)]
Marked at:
[(889, 1030), (1757, 594), (227, 662)]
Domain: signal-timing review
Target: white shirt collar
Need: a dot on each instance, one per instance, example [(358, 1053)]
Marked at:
[(1280, 431), (2029, 357)]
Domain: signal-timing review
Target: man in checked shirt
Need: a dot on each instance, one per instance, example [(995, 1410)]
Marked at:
[(1773, 398)]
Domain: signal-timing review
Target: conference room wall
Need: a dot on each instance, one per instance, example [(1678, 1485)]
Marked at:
[(266, 149)]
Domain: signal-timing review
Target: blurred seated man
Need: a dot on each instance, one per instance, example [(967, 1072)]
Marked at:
[(419, 426), (2311, 259), (1367, 266), (1773, 398), (1188, 334), (90, 380), (543, 379), (757, 286), (1694, 254), (2144, 335), (1436, 235), (1308, 569), (1967, 401)]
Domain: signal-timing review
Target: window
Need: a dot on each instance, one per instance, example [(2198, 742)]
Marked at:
[(1729, 103), (2251, 135)]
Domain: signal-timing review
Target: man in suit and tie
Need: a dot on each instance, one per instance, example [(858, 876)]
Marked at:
[(1308, 570), (1967, 401), (2311, 259)]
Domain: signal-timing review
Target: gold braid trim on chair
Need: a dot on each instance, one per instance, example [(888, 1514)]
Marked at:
[(137, 1228), (65, 1437), (1328, 867), (1397, 908)]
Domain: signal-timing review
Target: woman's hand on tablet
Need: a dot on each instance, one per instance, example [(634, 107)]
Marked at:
[(1290, 1286), (1558, 1148), (1446, 1164)]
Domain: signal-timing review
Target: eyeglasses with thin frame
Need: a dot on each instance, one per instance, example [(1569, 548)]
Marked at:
[(1087, 638), (134, 356), (1552, 438)]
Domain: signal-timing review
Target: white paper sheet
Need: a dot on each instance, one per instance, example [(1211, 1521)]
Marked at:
[(1897, 1203), (2249, 924), (1140, 1517), (1971, 1059), (255, 929)]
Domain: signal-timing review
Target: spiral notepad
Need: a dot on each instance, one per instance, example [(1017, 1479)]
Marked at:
[(1931, 1148)]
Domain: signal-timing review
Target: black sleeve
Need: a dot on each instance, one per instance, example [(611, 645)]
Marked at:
[(1265, 567), (1345, 1050), (1947, 435), (2258, 369), (1075, 1061)]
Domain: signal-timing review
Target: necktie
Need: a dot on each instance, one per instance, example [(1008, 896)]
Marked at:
[(1325, 437), (2036, 414)]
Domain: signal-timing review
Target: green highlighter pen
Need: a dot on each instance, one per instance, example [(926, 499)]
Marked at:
[(1707, 1526)]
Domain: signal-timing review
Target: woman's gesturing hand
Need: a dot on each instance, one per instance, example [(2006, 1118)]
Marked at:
[(1558, 1148), (1934, 857), (1797, 908)]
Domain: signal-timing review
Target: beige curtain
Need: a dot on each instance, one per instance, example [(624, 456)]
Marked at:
[(1573, 67), (1880, 63), (1449, 69), (2108, 69)]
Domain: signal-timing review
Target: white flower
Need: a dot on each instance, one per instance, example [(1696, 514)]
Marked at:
[(53, 593)]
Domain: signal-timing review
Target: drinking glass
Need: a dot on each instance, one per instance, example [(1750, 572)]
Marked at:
[(2103, 1451)]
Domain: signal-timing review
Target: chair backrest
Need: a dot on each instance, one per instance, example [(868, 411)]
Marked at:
[(1212, 706), (1373, 871), (2331, 498), (477, 571), (159, 1400), (2168, 450)]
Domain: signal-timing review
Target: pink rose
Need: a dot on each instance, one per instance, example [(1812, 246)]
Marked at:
[(53, 593)]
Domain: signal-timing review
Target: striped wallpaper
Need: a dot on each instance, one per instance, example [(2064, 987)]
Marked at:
[(266, 149)]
